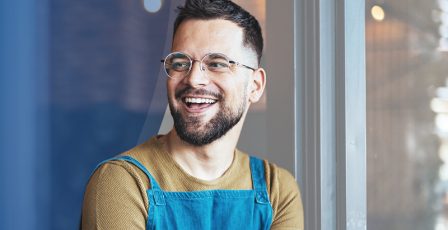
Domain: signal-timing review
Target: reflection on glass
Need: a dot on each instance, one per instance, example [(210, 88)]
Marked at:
[(407, 117), (378, 13), (152, 6)]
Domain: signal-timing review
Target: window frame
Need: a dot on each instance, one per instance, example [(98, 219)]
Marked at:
[(330, 112)]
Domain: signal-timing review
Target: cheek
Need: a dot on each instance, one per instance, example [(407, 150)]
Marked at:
[(244, 89), (239, 92), (171, 88)]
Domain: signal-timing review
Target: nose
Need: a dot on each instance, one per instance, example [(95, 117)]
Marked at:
[(197, 77)]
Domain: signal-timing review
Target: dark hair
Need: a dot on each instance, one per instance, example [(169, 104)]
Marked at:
[(227, 10)]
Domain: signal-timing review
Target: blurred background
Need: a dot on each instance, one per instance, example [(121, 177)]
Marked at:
[(81, 81), (407, 114), (78, 79)]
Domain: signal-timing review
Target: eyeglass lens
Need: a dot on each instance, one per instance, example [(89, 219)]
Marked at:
[(178, 65)]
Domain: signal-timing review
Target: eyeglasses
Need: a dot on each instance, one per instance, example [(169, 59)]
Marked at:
[(178, 65)]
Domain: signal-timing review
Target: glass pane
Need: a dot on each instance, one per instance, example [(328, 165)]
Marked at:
[(84, 82), (81, 93), (407, 106), (104, 63)]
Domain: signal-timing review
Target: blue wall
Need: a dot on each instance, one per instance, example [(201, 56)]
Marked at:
[(76, 87)]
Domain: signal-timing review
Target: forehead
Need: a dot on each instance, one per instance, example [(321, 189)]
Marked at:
[(199, 37)]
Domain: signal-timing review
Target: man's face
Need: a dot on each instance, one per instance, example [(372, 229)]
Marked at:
[(206, 107)]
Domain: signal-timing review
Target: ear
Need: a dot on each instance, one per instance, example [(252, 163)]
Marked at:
[(257, 85)]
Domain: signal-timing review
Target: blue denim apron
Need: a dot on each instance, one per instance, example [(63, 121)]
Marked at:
[(209, 209)]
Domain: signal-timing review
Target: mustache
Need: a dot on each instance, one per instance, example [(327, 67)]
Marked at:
[(201, 92)]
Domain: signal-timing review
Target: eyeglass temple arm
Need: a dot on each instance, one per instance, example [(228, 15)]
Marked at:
[(237, 63)]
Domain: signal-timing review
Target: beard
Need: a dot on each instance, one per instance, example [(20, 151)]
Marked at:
[(193, 131)]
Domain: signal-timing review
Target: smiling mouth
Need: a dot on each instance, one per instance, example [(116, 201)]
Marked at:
[(198, 102)]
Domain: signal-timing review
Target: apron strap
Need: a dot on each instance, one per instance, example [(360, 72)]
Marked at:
[(258, 180), (133, 161), (155, 195)]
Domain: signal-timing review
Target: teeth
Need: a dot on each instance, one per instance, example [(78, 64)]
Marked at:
[(199, 100)]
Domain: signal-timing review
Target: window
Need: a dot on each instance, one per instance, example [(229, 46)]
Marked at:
[(407, 107)]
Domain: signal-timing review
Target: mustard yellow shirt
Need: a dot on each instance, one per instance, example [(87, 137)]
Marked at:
[(115, 197)]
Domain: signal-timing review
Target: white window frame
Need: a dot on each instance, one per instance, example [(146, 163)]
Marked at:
[(330, 89)]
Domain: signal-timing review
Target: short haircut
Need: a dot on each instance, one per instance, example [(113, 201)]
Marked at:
[(227, 10)]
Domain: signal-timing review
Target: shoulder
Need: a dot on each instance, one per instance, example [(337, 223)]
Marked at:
[(115, 177), (139, 160), (280, 181), (120, 171), (114, 185), (115, 196), (284, 194), (276, 175), (116, 172)]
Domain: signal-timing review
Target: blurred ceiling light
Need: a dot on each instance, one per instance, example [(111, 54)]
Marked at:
[(443, 44), (152, 6), (439, 105), (378, 13), (442, 92), (442, 122), (440, 223)]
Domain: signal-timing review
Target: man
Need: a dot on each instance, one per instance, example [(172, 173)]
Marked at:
[(194, 177)]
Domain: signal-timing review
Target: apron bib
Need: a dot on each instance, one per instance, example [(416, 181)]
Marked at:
[(208, 209)]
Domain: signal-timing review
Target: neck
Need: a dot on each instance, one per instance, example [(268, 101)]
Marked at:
[(206, 162)]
